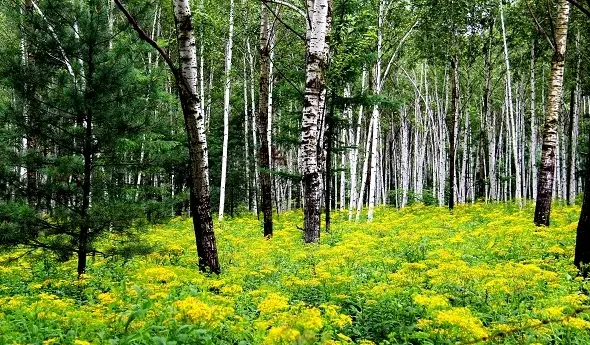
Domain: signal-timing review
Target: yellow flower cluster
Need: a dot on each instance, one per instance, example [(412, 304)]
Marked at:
[(440, 272), (273, 303), (198, 312), (431, 302), (462, 321)]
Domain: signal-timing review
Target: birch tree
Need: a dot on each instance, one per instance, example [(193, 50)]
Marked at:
[(317, 48), (262, 123), (186, 77), (549, 148)]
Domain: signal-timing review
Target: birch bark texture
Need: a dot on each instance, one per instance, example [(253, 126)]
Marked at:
[(195, 127), (186, 78), (549, 148), (317, 48)]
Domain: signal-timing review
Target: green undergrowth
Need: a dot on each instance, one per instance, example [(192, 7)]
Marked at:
[(422, 275)]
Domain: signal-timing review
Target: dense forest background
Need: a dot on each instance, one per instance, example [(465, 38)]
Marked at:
[(434, 102)]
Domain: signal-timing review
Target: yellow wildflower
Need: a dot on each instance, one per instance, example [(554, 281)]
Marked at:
[(273, 303), (81, 342), (469, 326), (577, 323), (431, 302)]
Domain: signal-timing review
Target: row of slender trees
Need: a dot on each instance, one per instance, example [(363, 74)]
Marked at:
[(317, 104)]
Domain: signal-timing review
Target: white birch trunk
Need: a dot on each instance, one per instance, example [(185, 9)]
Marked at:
[(355, 138), (365, 172), (515, 151), (405, 159), (246, 131), (550, 140), (226, 108), (375, 117), (315, 89), (534, 135)]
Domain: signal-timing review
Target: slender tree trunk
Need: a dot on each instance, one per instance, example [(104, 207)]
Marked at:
[(246, 132), (254, 122), (574, 123), (226, 108), (510, 113), (534, 140), (405, 156), (88, 154), (329, 148), (451, 125), (582, 251), (570, 168), (355, 152), (315, 87), (348, 142), (263, 115), (375, 117), (202, 60), (545, 184), (365, 171)]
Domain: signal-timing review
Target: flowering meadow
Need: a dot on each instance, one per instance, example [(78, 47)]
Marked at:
[(422, 275)]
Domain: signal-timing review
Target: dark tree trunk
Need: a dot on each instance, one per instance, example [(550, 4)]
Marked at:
[(88, 154), (582, 252), (263, 152), (200, 201), (571, 147)]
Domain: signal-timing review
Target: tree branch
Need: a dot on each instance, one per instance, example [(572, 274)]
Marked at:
[(291, 6), (539, 27), (65, 60), (580, 7), (282, 22), (401, 42), (144, 36)]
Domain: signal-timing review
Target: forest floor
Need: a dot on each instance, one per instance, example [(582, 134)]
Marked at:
[(483, 274)]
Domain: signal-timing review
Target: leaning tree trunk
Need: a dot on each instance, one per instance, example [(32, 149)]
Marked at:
[(195, 127), (186, 78), (263, 154), (315, 87), (549, 149)]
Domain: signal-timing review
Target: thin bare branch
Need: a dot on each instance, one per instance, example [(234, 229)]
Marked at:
[(145, 37), (400, 44), (580, 7), (297, 10), (539, 27), (277, 17), (65, 60)]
